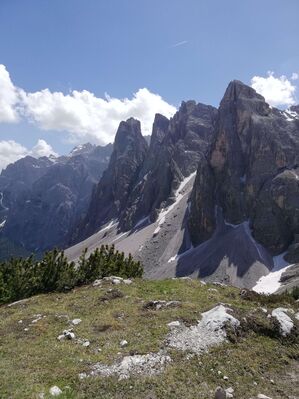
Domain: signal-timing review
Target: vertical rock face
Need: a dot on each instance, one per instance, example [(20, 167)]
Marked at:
[(176, 148), (110, 195), (250, 172)]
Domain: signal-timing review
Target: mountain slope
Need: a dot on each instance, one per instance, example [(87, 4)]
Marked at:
[(44, 197), (240, 209), (252, 358)]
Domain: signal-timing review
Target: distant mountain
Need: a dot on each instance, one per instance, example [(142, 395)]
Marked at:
[(41, 198)]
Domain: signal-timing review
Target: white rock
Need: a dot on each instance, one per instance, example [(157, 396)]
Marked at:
[(261, 396), (127, 281), (86, 344), (26, 329), (174, 324), (212, 290), (55, 391), (20, 321), (230, 390), (225, 377), (116, 281), (82, 376), (97, 282), (61, 337), (68, 334), (209, 331), (76, 321), (123, 343), (145, 365), (229, 395), (285, 322)]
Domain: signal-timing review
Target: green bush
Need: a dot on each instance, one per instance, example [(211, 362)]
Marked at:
[(24, 277)]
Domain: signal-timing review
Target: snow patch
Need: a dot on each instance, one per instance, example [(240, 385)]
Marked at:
[(179, 194), (141, 222), (271, 282)]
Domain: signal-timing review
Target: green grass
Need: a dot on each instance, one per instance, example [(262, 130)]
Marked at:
[(33, 361)]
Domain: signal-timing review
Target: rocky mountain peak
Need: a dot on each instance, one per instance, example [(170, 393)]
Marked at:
[(159, 132), (243, 97), (82, 149), (127, 135)]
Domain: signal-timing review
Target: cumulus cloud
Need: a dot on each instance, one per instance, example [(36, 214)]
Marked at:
[(87, 117), (11, 151), (278, 91), (42, 149), (79, 114), (9, 97)]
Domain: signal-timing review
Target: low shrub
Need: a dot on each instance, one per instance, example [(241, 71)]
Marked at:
[(23, 277)]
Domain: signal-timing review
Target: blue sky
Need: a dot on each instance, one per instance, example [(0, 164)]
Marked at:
[(179, 50)]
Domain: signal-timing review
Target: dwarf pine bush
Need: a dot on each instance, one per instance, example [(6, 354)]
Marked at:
[(23, 277)]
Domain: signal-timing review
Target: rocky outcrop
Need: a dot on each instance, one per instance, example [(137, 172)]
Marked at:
[(110, 196), (43, 197), (251, 171), (176, 148)]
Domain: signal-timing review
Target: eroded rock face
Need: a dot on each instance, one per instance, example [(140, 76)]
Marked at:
[(110, 195), (251, 171), (176, 148)]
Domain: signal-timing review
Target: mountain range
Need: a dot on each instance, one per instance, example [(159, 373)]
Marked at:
[(214, 194)]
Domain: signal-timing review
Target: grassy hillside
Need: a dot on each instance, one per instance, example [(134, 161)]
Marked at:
[(32, 359)]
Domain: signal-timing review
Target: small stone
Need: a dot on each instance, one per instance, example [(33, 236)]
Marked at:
[(76, 321), (261, 396), (255, 383), (26, 329), (116, 281), (97, 282), (20, 321), (61, 337), (127, 281), (55, 391), (68, 334), (123, 343), (219, 372), (220, 393), (225, 377), (174, 324), (230, 390), (272, 381), (86, 344), (82, 376)]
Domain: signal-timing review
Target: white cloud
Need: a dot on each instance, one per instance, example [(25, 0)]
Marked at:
[(87, 117), (42, 149), (278, 91), (80, 114), (295, 76), (9, 96), (11, 151)]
